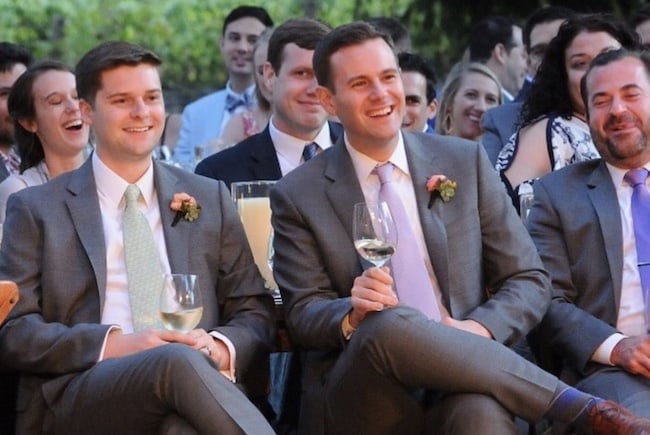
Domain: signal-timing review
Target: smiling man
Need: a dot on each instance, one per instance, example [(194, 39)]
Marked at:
[(204, 119), (419, 82), (374, 361), (84, 336)]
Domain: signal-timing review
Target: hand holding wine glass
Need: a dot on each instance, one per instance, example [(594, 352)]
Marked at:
[(374, 232), (181, 307)]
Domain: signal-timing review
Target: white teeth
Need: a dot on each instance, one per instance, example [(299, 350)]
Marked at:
[(137, 129), (381, 112), (75, 123)]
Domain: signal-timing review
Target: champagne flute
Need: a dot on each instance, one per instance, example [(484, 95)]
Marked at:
[(374, 232), (181, 307)]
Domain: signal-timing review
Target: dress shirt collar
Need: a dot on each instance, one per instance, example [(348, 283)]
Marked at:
[(249, 92), (112, 187), (617, 174), (364, 165), (290, 147)]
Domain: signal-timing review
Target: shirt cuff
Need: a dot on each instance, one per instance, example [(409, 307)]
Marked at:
[(230, 374), (346, 328), (101, 353), (603, 354)]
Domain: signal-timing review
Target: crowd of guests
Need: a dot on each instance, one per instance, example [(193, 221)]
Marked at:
[(431, 343)]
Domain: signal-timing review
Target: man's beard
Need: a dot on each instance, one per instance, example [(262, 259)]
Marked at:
[(6, 135)]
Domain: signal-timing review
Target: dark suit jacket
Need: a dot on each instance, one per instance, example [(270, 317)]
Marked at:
[(475, 242), (499, 124), (254, 158), (54, 249), (576, 225)]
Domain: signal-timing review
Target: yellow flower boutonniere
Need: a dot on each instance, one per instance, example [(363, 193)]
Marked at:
[(185, 207), (440, 185)]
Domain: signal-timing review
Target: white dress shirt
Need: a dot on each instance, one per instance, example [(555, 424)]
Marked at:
[(289, 148), (370, 185), (631, 312)]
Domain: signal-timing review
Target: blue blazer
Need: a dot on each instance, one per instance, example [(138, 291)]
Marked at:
[(201, 123), (254, 158), (499, 123)]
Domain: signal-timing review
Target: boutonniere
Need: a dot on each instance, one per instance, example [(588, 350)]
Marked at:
[(185, 207), (441, 186)]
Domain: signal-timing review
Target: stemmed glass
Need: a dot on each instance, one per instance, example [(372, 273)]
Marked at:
[(181, 307), (374, 232)]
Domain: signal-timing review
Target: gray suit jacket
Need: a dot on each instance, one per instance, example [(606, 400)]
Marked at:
[(54, 249), (499, 124), (576, 225), (486, 264)]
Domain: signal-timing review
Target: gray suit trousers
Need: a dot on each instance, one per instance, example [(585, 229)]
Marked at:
[(377, 382), (137, 393)]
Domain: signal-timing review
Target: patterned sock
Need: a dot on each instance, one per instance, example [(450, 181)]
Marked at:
[(571, 406)]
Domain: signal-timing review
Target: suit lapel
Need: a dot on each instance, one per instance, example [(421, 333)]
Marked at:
[(263, 159), (344, 189), (85, 213), (423, 165), (602, 194), (177, 237)]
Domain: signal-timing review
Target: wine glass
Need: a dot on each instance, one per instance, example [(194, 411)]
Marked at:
[(181, 307), (374, 232)]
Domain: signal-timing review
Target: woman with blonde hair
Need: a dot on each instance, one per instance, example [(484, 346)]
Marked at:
[(470, 90)]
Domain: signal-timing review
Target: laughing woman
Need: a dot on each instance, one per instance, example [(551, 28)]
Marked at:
[(51, 136)]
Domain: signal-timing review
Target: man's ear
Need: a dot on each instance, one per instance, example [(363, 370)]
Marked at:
[(500, 53), (326, 99), (269, 75), (432, 109), (86, 111)]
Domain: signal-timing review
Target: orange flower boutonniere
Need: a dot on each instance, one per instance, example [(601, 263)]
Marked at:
[(440, 186), (185, 207)]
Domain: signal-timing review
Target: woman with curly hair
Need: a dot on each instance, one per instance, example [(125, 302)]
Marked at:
[(554, 132)]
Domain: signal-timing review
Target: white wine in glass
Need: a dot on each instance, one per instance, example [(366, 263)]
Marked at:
[(374, 232), (181, 307)]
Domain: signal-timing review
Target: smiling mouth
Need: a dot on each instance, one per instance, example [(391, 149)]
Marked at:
[(138, 129), (75, 125), (381, 112)]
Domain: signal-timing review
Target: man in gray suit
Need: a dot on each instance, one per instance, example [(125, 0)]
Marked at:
[(584, 226), (373, 365), (85, 367)]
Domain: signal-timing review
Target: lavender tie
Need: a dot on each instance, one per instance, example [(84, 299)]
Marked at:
[(411, 278), (641, 219)]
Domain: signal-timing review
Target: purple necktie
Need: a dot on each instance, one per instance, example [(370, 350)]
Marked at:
[(641, 219), (411, 278)]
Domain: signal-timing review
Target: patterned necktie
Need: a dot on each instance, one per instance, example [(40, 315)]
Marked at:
[(411, 278), (309, 151), (143, 270), (641, 219), (234, 101)]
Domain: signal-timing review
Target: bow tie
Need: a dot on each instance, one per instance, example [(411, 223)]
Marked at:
[(234, 101)]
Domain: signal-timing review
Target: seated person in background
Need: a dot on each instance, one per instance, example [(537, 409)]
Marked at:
[(554, 130), (397, 31), (470, 90), (86, 333), (501, 122), (428, 357), (419, 81), (252, 121), (641, 23), (50, 133), (590, 224)]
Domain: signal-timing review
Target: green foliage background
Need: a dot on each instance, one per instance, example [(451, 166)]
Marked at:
[(185, 32)]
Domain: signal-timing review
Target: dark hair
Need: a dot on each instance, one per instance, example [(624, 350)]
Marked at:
[(262, 43), (643, 14), (304, 32), (487, 34), (21, 107), (612, 56), (12, 54), (343, 36), (410, 62), (550, 90), (246, 11), (542, 16), (107, 56), (395, 29)]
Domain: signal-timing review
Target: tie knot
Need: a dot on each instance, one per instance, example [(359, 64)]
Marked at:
[(636, 176), (385, 172), (131, 194), (309, 151), (234, 101)]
